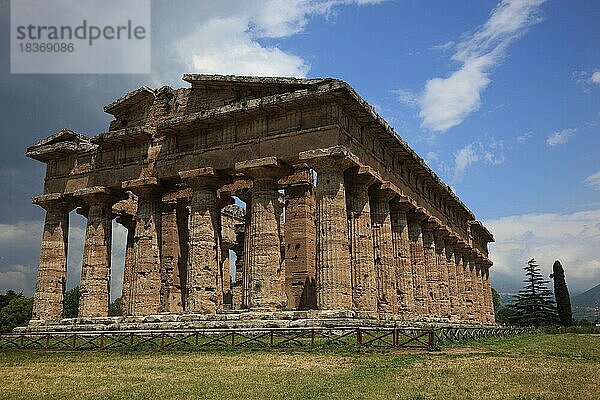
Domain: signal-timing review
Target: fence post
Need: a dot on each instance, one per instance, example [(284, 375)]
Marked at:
[(358, 337), (431, 339)]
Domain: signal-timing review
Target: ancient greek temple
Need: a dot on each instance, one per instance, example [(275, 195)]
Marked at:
[(339, 212)]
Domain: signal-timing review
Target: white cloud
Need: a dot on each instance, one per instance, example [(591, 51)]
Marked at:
[(224, 45), (406, 97), (586, 80), (492, 153), (462, 159), (593, 181), (571, 238), (446, 102), (233, 37), (561, 137), (443, 47), (524, 137)]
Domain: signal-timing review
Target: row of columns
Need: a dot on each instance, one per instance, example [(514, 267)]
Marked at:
[(375, 250), (378, 252)]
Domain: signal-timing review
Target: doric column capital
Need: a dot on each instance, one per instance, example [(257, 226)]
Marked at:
[(384, 191), (99, 195), (402, 203), (224, 200), (432, 224), (143, 186), (336, 158), (361, 176), (301, 175), (53, 201), (417, 215), (127, 220), (206, 177), (263, 168)]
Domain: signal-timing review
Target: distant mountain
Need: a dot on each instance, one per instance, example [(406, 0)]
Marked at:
[(587, 304)]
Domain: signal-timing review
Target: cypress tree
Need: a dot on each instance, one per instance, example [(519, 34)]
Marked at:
[(561, 294), (534, 304)]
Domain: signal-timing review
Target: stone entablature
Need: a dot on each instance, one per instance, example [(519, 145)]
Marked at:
[(172, 159)]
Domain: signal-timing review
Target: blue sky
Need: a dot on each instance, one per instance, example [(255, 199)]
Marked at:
[(501, 98)]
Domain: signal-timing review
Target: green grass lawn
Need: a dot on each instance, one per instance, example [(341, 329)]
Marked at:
[(526, 367)]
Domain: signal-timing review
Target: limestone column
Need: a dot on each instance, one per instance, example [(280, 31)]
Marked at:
[(300, 237), (443, 271), (453, 290), (94, 288), (487, 290), (180, 282), (247, 277), (469, 283), (204, 293), (267, 291), (128, 221), (431, 268), (225, 245), (239, 266), (383, 249), (145, 282), (170, 292), (418, 263), (52, 270), (478, 290), (401, 247), (460, 282), (334, 282), (360, 234)]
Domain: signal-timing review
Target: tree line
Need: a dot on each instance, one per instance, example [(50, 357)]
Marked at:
[(536, 304), (15, 309)]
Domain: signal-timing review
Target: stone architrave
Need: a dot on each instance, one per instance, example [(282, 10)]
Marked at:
[(383, 250), (204, 294), (128, 221), (444, 273), (94, 288), (334, 281), (418, 264), (52, 271), (360, 233), (265, 261), (145, 282), (432, 273), (402, 248)]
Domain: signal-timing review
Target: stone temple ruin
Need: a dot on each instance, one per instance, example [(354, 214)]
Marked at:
[(340, 213)]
